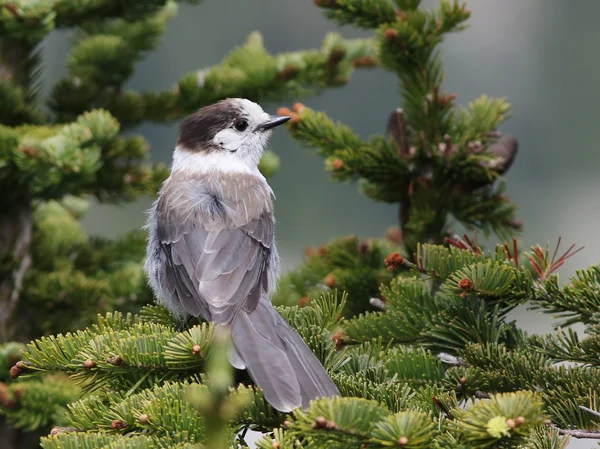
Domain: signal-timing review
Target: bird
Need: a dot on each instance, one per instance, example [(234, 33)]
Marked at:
[(211, 251)]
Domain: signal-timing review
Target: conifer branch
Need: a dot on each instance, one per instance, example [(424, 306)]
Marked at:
[(248, 71)]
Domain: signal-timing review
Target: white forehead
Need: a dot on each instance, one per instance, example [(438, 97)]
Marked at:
[(253, 111)]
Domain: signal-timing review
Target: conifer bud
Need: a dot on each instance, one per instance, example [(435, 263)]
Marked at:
[(402, 441), (298, 107), (465, 284), (12, 8), (330, 280), (303, 301), (276, 444), (115, 361), (287, 423), (118, 424), (196, 349), (394, 261), (338, 338), (30, 151), (288, 72), (331, 425), (390, 34), (364, 61), (337, 164), (284, 111), (310, 252), (322, 250), (4, 393), (14, 372), (89, 364), (320, 422), (401, 15), (520, 420), (510, 423), (144, 418), (463, 380)]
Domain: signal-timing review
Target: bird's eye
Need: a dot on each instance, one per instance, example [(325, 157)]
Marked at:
[(241, 125)]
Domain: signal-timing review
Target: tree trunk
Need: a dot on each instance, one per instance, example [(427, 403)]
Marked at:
[(15, 238)]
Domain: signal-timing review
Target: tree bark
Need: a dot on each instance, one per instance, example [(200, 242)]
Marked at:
[(15, 239)]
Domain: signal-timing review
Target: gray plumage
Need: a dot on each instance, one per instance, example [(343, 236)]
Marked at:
[(211, 253)]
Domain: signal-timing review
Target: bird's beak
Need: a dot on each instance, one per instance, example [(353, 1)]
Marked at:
[(274, 120)]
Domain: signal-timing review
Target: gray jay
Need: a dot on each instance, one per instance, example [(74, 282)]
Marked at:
[(211, 250)]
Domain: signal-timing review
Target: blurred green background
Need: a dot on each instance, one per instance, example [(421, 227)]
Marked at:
[(541, 54)]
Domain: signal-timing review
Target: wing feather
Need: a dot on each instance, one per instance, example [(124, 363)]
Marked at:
[(216, 272)]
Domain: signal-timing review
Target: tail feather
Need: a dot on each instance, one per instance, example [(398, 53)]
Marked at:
[(278, 360)]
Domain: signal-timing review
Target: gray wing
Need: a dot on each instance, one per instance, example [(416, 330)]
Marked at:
[(216, 272)]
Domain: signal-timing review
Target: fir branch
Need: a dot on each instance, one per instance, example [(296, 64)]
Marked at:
[(365, 14), (248, 71)]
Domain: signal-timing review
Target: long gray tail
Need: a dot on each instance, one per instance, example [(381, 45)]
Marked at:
[(277, 359)]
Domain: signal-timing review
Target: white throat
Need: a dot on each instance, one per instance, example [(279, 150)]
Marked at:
[(200, 163)]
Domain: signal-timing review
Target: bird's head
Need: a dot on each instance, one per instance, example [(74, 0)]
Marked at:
[(235, 130)]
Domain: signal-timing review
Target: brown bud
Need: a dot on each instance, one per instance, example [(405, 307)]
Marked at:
[(337, 164), (401, 15), (310, 251), (295, 118), (520, 420), (463, 380), (287, 423), (303, 301), (510, 423), (12, 8), (4, 393), (393, 261), (390, 34), (320, 422), (364, 61), (14, 372), (298, 107), (338, 337), (465, 284), (330, 280), (89, 364), (322, 250), (118, 424), (402, 441), (288, 72), (331, 425), (116, 360), (196, 349), (336, 55), (284, 111), (275, 444), (143, 418), (30, 151)]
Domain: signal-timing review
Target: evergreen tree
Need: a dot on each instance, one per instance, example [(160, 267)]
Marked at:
[(437, 365), (52, 160), (56, 156)]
